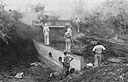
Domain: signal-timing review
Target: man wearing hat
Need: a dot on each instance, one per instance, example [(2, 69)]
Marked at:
[(69, 30), (46, 34), (68, 39)]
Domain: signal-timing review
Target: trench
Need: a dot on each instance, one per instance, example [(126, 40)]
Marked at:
[(23, 52)]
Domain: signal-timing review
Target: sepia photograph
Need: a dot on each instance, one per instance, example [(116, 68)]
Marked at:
[(63, 40)]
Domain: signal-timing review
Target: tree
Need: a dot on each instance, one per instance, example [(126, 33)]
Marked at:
[(16, 15), (39, 7), (8, 25), (2, 5), (78, 10), (109, 18), (116, 12), (8, 22)]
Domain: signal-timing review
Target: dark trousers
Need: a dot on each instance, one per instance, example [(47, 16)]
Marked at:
[(66, 68), (67, 73)]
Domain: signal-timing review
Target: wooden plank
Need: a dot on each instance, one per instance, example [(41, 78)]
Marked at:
[(116, 60), (59, 21), (50, 26), (56, 26), (123, 58)]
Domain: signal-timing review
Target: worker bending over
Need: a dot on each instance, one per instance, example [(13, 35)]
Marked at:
[(98, 49)]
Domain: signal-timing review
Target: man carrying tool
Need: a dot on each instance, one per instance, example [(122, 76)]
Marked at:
[(98, 49), (66, 62), (68, 39), (46, 34)]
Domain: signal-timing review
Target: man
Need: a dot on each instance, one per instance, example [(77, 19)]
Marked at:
[(98, 49), (46, 34), (69, 29), (68, 40), (78, 24), (66, 62)]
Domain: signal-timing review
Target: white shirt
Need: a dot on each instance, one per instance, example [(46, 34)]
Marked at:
[(69, 30), (68, 36), (65, 56), (99, 48), (46, 29), (78, 21)]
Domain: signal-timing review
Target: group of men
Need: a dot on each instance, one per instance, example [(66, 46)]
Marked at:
[(98, 48), (68, 34), (68, 39)]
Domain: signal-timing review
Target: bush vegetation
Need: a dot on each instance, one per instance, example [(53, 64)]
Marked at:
[(109, 19)]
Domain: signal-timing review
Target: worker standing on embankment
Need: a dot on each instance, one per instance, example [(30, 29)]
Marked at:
[(68, 39), (46, 34), (69, 30), (78, 24)]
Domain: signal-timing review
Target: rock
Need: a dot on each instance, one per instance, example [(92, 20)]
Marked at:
[(54, 74), (35, 64), (19, 75), (89, 65)]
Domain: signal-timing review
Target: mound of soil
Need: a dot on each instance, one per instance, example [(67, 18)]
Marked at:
[(109, 73), (21, 52)]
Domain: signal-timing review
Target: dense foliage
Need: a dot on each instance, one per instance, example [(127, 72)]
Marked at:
[(8, 21), (107, 19)]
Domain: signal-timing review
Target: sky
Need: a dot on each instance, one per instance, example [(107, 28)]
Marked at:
[(51, 4)]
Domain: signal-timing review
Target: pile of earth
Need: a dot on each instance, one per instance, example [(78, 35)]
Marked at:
[(83, 46), (76, 47), (112, 72), (30, 74), (58, 44), (109, 72)]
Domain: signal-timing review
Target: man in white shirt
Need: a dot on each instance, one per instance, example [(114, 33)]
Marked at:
[(46, 34), (69, 30), (78, 24), (98, 49), (68, 40)]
